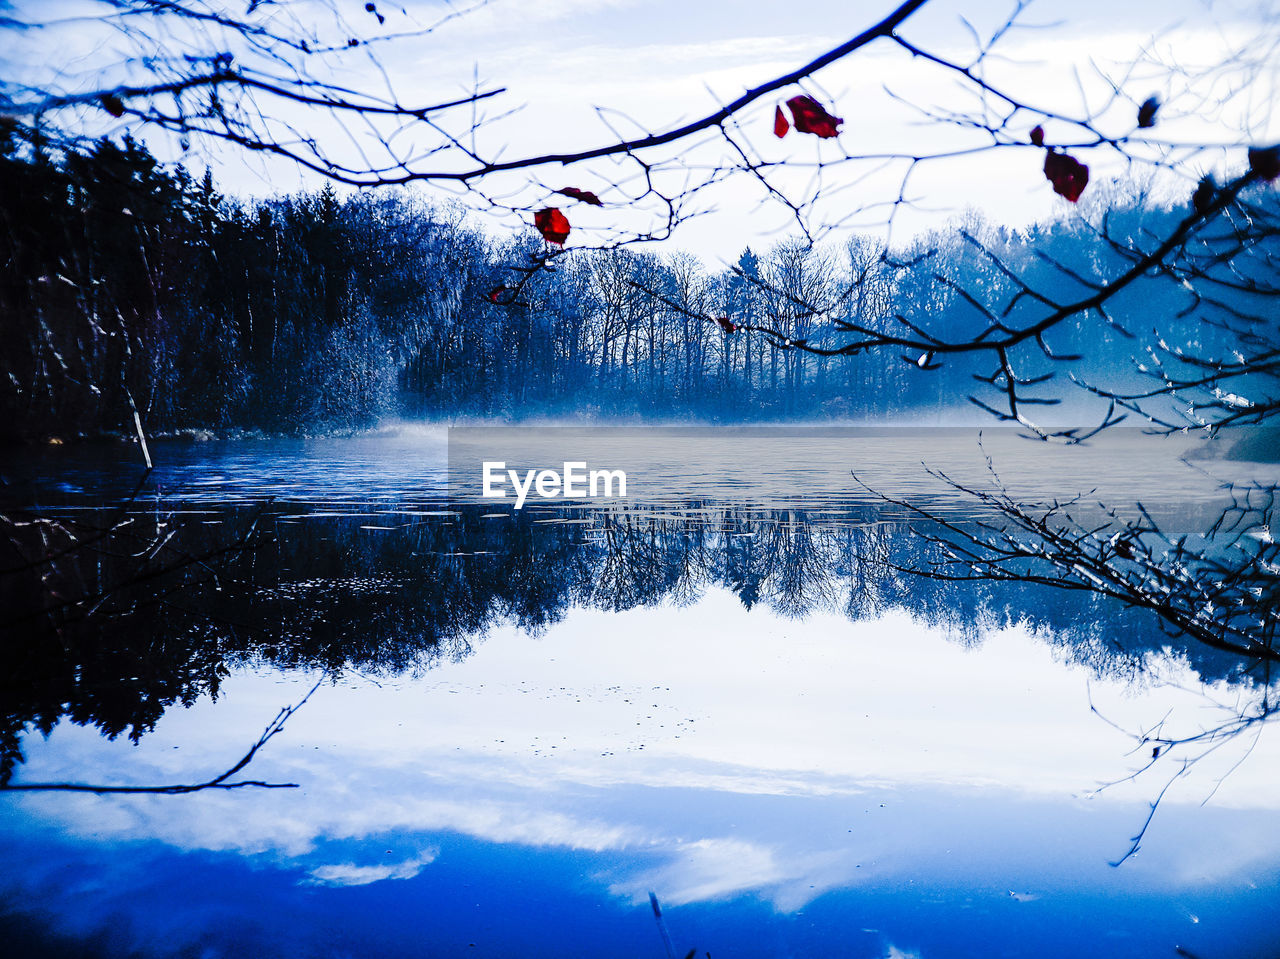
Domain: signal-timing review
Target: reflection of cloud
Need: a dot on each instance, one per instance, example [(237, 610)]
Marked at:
[(706, 869), (287, 831), (816, 738), (720, 868), (896, 953), (349, 874)]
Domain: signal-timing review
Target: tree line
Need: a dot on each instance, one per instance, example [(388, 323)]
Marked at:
[(133, 286)]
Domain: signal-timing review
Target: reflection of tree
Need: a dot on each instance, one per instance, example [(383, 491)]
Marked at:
[(223, 780), (638, 566), (1168, 746), (872, 583), (75, 584), (1217, 588), (327, 592), (799, 555)]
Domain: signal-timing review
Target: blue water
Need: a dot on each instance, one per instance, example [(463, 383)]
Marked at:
[(480, 898), (609, 707)]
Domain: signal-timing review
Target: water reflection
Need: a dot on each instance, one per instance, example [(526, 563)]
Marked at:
[(532, 719), (396, 590), (757, 772)]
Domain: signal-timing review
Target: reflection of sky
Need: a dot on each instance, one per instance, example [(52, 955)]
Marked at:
[(707, 753)]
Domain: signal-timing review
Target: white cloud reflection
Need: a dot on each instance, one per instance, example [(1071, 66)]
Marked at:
[(350, 874), (704, 751)]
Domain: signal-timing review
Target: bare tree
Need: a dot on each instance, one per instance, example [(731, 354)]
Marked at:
[(1217, 587), (266, 78)]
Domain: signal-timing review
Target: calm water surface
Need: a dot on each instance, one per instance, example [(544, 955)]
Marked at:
[(723, 691)]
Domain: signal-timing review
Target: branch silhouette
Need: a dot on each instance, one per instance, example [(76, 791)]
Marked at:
[(221, 781)]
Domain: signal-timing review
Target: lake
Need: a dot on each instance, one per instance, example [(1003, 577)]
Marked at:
[(721, 714)]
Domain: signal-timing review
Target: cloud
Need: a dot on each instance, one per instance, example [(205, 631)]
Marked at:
[(349, 874), (896, 953), (703, 870)]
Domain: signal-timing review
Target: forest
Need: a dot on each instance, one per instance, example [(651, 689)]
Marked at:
[(132, 285)]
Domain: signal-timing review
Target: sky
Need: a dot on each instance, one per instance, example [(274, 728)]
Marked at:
[(579, 73)]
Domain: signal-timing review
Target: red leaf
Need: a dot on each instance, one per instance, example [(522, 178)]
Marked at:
[(726, 324), (552, 224), (780, 124), (495, 295), (1067, 174), (1265, 162), (1037, 135), (586, 196), (1147, 113), (112, 104), (811, 117)]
